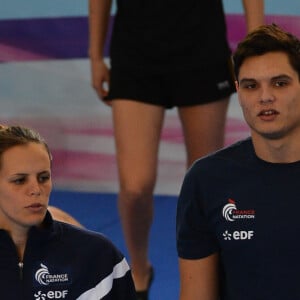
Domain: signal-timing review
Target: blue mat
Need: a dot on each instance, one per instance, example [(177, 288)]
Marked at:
[(98, 212)]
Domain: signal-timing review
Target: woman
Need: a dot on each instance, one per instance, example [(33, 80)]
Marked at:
[(42, 258)]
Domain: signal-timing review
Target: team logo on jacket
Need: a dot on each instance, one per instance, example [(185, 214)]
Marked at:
[(238, 235), (51, 295), (231, 213), (44, 277)]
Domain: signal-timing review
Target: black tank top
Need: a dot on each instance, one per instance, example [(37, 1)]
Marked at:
[(168, 33)]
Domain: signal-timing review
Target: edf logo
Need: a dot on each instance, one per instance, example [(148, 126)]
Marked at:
[(57, 294), (51, 295), (238, 235)]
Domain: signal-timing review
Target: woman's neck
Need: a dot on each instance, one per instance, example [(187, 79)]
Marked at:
[(20, 240)]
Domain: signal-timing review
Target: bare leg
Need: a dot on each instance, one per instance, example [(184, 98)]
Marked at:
[(137, 133), (203, 128)]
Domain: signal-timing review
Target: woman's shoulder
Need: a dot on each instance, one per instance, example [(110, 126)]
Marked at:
[(79, 236)]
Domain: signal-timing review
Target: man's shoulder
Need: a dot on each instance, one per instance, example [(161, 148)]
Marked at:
[(240, 150)]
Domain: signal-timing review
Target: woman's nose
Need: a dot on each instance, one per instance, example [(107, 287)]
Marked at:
[(34, 189)]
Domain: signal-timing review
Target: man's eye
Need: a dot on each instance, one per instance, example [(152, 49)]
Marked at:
[(250, 86), (280, 83)]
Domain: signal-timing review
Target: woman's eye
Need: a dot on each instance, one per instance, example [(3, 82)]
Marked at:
[(19, 180), (44, 178)]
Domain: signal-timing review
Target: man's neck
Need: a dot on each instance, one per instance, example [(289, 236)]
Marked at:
[(285, 150)]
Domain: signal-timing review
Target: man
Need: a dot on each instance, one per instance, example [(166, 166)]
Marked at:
[(237, 221)]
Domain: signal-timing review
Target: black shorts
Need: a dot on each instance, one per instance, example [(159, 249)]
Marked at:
[(173, 89)]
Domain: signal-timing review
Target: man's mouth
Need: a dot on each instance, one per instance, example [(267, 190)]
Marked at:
[(269, 112)]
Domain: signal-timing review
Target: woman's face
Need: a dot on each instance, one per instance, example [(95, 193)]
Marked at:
[(25, 186)]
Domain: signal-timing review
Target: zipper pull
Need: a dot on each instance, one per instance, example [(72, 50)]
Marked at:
[(21, 265)]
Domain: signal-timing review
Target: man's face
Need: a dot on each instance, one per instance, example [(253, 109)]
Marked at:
[(269, 94)]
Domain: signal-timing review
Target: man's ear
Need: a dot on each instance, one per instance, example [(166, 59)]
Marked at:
[(236, 85)]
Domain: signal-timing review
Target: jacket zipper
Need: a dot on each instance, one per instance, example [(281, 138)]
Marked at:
[(21, 265)]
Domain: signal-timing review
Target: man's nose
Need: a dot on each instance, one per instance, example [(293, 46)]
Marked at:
[(267, 96)]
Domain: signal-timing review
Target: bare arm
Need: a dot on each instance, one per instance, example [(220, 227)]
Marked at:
[(99, 13), (254, 12), (199, 278)]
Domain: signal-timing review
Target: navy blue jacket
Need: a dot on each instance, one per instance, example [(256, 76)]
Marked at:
[(62, 261)]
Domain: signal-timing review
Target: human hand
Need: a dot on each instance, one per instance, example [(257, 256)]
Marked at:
[(100, 78)]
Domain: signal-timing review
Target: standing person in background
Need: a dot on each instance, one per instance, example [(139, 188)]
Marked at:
[(164, 54), (42, 258), (238, 211)]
